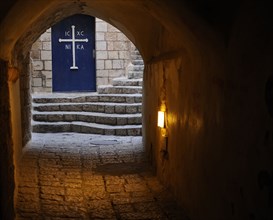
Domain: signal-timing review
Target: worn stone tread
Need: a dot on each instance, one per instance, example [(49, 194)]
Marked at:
[(95, 117), (84, 127), (61, 98), (97, 114)]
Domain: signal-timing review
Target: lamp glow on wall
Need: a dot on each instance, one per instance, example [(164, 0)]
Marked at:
[(161, 123), (161, 119)]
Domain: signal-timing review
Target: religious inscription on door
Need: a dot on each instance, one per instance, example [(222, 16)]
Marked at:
[(73, 45)]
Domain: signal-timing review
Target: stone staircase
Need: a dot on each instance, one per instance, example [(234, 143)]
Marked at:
[(113, 110), (135, 71)]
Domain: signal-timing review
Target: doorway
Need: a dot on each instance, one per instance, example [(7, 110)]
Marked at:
[(73, 54)]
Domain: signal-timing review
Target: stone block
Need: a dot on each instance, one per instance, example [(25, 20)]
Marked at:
[(100, 64), (37, 46), (121, 132), (91, 130), (118, 64), (108, 64), (140, 108), (100, 36), (45, 36), (129, 90), (124, 55), (131, 109), (101, 55), (122, 37), (47, 74), (118, 99), (120, 45), (121, 121), (48, 65), (48, 89), (92, 98), (110, 109), (102, 73), (71, 107), (70, 118), (111, 28), (37, 82), (102, 81), (101, 108), (78, 99), (113, 55), (76, 128), (109, 132), (104, 98), (120, 109), (37, 65), (46, 55), (90, 108), (134, 132), (97, 20), (110, 45), (87, 118), (35, 54), (101, 26), (134, 120), (130, 99), (39, 117), (100, 45), (116, 73), (46, 45), (138, 99), (37, 89), (111, 36), (106, 120), (48, 83), (55, 118)]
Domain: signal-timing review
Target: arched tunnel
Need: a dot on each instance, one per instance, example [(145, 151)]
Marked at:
[(208, 66)]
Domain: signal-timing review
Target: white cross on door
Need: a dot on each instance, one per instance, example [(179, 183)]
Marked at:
[(73, 40)]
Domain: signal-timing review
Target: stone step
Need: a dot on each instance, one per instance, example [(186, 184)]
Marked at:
[(84, 127), (109, 89), (126, 82), (138, 62), (138, 68), (91, 117), (94, 97), (136, 53), (107, 107), (135, 74)]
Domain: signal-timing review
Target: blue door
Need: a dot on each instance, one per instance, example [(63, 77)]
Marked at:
[(73, 49)]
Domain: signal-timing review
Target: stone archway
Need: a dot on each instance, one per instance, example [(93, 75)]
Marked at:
[(206, 64), (160, 39)]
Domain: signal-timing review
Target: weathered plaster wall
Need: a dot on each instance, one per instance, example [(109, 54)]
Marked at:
[(220, 133), (15, 103), (6, 148)]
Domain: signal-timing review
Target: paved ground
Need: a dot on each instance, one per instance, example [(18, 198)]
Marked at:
[(81, 176)]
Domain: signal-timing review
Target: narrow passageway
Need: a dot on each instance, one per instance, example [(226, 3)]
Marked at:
[(83, 176)]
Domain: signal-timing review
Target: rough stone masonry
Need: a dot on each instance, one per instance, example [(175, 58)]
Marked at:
[(79, 176)]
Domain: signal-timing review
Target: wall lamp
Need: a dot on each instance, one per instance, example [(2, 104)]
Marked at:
[(161, 119), (161, 122)]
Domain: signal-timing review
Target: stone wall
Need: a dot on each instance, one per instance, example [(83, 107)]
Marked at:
[(41, 64), (113, 55), (7, 183)]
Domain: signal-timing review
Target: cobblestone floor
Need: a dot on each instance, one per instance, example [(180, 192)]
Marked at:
[(79, 176)]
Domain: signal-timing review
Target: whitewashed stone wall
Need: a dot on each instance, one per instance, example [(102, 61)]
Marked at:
[(113, 56)]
